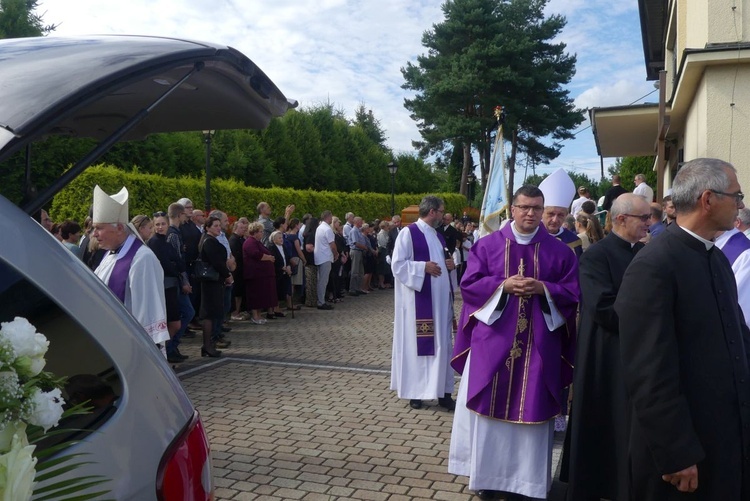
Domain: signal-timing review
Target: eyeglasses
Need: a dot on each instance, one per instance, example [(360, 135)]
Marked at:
[(738, 197), (159, 214), (642, 217), (526, 208)]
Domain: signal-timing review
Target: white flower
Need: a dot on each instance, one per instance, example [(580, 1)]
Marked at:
[(17, 468), (8, 431), (24, 338), (29, 367), (10, 389), (46, 408)]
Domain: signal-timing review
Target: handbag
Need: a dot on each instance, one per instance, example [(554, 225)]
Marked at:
[(204, 272)]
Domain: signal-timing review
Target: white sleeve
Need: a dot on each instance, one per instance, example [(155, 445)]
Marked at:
[(741, 268), (407, 271)]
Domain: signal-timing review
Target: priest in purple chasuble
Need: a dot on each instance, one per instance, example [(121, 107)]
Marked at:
[(736, 247), (423, 317), (130, 269), (514, 348)]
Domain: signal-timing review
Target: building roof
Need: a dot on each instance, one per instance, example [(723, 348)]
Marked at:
[(654, 14)]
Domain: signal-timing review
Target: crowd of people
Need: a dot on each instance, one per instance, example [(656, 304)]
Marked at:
[(643, 335), (257, 271), (635, 329)]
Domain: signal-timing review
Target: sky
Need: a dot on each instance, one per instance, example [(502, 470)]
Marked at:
[(348, 52)]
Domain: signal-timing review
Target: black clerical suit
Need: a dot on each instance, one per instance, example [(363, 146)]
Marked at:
[(596, 444), (684, 350), (610, 195)]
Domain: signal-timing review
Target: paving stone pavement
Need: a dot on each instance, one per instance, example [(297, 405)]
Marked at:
[(299, 408)]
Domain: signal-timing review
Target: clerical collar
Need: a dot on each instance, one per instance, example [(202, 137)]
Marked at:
[(117, 250), (523, 238), (707, 243), (559, 232), (632, 244)]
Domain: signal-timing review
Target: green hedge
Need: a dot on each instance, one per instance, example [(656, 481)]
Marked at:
[(151, 192)]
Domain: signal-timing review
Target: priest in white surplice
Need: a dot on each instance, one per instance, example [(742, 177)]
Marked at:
[(130, 269), (423, 319)]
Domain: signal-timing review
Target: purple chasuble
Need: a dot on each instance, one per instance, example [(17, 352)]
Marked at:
[(518, 366), (736, 245), (423, 298), (119, 278)]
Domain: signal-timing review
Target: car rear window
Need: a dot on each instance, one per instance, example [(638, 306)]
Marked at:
[(72, 353)]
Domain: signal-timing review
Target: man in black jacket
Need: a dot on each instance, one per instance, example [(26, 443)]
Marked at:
[(611, 194), (596, 444), (684, 350)]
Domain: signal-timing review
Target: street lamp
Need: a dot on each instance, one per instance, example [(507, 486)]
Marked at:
[(393, 168), (207, 134), (470, 179)]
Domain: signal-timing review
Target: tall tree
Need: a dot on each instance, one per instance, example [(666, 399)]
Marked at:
[(365, 119), (18, 19), (488, 53)]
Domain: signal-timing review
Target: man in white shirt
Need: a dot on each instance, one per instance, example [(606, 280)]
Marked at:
[(325, 253), (643, 189)]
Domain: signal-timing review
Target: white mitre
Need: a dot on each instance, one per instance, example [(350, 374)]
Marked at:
[(110, 208), (558, 189)]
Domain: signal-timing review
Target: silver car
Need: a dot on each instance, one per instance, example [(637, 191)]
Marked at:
[(144, 435)]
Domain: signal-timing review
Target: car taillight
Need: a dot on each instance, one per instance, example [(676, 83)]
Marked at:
[(185, 470)]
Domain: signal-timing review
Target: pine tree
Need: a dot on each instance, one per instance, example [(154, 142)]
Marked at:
[(488, 53)]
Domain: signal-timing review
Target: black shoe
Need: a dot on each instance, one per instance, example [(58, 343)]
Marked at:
[(447, 402), (226, 329), (488, 494), (271, 316), (209, 353), (325, 306), (223, 344), (354, 293), (279, 314), (415, 404), (174, 359), (180, 355)]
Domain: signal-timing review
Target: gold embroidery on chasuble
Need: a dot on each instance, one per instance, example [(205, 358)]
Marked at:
[(523, 330)]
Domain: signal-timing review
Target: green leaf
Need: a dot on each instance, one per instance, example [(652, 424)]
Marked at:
[(71, 490), (61, 471)]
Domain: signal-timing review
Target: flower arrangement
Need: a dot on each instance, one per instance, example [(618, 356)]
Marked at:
[(31, 403)]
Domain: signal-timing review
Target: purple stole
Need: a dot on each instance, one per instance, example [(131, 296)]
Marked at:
[(423, 298), (571, 240), (119, 277), (736, 245)]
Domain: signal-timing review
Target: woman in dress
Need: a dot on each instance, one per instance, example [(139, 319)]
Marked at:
[(370, 258), (213, 252), (311, 271), (297, 262), (383, 267), (260, 275), (335, 289), (282, 269), (239, 230), (170, 263)]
